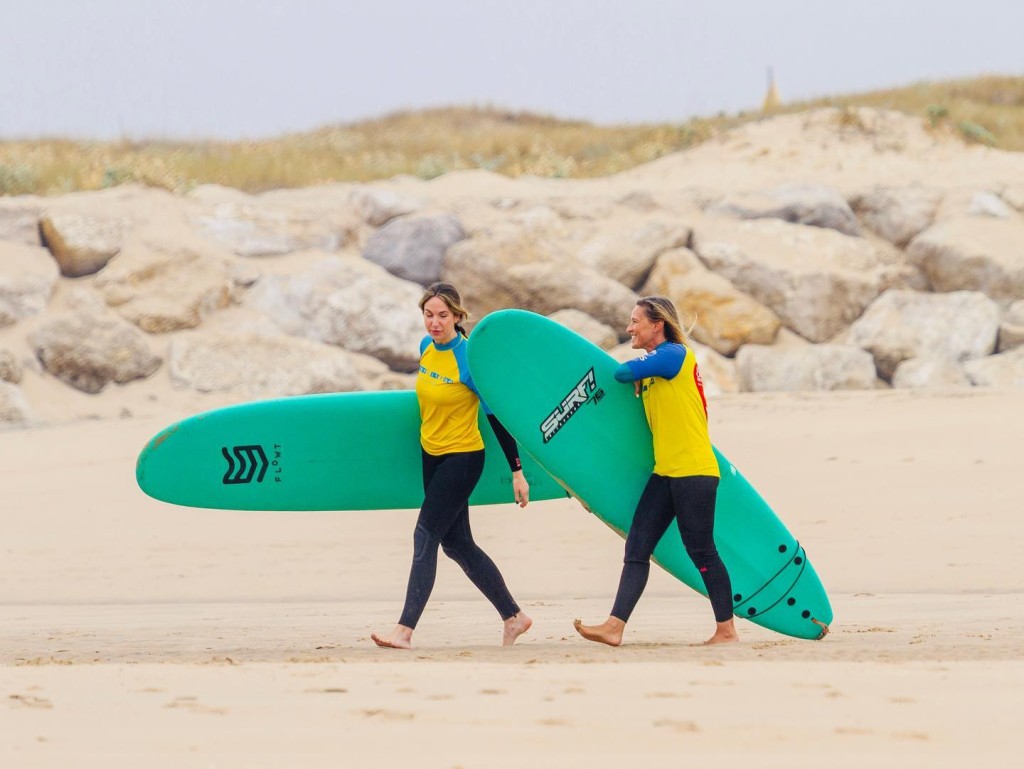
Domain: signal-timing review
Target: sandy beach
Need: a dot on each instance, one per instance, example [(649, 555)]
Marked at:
[(135, 633)]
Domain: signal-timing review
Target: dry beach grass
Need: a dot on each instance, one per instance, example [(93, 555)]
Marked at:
[(430, 143)]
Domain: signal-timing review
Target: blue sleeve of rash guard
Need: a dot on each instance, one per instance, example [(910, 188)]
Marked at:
[(665, 361)]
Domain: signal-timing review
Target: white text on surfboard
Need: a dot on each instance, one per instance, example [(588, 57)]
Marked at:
[(585, 390)]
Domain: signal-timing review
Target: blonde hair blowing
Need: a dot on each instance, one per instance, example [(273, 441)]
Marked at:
[(661, 308), (450, 296)]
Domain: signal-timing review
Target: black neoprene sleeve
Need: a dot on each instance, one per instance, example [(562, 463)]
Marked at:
[(507, 443)]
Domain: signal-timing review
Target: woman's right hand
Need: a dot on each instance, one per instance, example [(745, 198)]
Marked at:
[(520, 488)]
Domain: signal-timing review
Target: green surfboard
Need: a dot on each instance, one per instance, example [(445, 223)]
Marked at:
[(338, 451), (556, 393)]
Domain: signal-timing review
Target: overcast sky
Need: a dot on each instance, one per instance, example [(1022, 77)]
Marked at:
[(252, 68)]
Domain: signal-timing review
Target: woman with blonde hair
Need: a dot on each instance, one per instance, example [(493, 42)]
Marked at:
[(684, 483)]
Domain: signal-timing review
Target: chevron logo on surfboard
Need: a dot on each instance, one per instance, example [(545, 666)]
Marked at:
[(249, 459)]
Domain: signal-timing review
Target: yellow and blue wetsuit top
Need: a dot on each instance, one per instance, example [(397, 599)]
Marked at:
[(676, 409), (448, 399)]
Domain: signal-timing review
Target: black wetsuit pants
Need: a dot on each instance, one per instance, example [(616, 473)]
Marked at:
[(691, 501), (448, 480)]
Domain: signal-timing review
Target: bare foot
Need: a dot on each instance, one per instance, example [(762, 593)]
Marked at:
[(608, 632), (515, 626), (399, 638), (725, 633)]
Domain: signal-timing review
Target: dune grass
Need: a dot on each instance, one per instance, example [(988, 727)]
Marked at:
[(429, 143)]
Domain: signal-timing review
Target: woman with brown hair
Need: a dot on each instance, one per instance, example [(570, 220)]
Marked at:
[(453, 460)]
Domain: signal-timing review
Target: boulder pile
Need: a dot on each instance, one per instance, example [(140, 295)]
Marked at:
[(805, 252)]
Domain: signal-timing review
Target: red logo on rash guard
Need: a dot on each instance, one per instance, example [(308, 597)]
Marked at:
[(700, 388)]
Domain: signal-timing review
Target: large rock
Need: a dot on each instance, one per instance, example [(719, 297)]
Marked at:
[(19, 220), (88, 350), (1013, 194), (900, 325), (540, 218), (1003, 370), (723, 317), (518, 265), (10, 367), (82, 244), (628, 255), (480, 265), (930, 373), (814, 367), (897, 214), (414, 248), (546, 288), (260, 366), (14, 408), (602, 335), (348, 302), (816, 280), (1011, 330), (378, 206), (811, 204), (275, 224), (973, 254), (28, 276), (988, 204), (165, 285)]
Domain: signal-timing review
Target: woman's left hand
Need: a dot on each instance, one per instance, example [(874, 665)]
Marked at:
[(521, 488)]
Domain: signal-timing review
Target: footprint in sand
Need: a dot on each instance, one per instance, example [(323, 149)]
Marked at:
[(193, 704), (40, 661), (679, 726), (554, 722), (31, 701), (387, 715), (853, 731)]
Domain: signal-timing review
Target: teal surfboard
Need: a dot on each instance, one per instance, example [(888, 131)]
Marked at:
[(556, 393), (338, 451)]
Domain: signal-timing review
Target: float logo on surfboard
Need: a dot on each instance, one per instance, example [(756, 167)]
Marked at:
[(586, 390), (248, 460)]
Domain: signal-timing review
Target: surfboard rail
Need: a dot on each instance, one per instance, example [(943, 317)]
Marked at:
[(324, 452)]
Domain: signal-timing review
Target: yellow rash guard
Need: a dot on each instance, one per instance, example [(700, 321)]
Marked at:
[(449, 403), (676, 410)]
